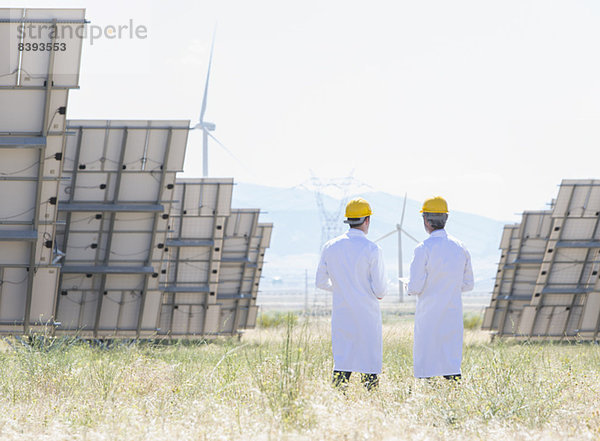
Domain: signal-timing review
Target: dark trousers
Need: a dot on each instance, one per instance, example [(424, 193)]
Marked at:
[(454, 377), (341, 378)]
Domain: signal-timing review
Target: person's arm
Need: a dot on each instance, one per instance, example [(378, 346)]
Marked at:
[(322, 279), (377, 272), (418, 271), (468, 282)]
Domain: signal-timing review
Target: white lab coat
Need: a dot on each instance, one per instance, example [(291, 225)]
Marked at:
[(439, 273), (352, 268)]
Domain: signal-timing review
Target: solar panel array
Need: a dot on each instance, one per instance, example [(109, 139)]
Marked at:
[(548, 282), (215, 257), (39, 64), (241, 264), (102, 240), (522, 246), (190, 277)]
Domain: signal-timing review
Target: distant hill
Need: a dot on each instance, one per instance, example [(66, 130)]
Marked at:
[(296, 236)]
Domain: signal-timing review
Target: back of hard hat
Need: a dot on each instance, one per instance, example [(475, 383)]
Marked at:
[(358, 208), (436, 204)]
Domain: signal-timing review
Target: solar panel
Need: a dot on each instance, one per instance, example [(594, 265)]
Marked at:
[(557, 269), (34, 86), (264, 234), (569, 271), (115, 200), (191, 280), (215, 260), (490, 318), (520, 272), (34, 83), (237, 269), (240, 278), (36, 47)]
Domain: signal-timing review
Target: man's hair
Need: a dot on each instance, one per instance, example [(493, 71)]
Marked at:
[(356, 221), (436, 220)]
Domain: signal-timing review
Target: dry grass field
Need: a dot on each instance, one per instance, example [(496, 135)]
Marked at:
[(274, 384)]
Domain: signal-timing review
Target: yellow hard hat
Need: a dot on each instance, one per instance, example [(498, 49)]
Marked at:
[(435, 205), (358, 208)]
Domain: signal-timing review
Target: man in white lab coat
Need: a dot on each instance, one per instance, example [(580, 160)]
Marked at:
[(439, 273), (352, 268)]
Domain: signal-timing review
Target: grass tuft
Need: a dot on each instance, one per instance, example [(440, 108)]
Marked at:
[(273, 319), (472, 320), (274, 383)]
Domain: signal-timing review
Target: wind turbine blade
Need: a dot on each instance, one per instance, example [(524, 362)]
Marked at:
[(245, 165), (247, 169), (409, 236), (223, 146), (204, 98), (387, 235)]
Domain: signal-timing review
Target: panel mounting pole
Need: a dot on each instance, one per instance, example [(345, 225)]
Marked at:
[(111, 228), (32, 269), (150, 261)]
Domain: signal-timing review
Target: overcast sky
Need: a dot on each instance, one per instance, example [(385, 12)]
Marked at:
[(487, 103)]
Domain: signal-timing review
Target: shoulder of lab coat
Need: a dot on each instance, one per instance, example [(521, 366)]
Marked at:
[(322, 280), (377, 271), (418, 272)]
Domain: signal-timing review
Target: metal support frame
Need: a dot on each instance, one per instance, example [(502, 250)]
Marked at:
[(107, 269), (203, 289), (36, 212), (582, 274), (111, 227), (584, 301), (257, 273), (111, 208), (173, 295), (518, 265), (182, 243), (544, 273), (580, 297), (68, 222), (43, 20), (149, 260), (597, 327), (22, 142), (511, 282), (500, 277), (206, 289), (259, 261), (236, 316), (212, 287)]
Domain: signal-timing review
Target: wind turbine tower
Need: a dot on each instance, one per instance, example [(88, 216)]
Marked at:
[(400, 231)]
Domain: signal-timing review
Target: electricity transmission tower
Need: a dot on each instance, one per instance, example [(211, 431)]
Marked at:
[(331, 212)]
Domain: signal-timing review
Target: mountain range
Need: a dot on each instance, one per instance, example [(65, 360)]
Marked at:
[(293, 255)]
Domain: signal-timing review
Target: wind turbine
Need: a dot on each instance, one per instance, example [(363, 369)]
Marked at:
[(206, 126), (399, 230)]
